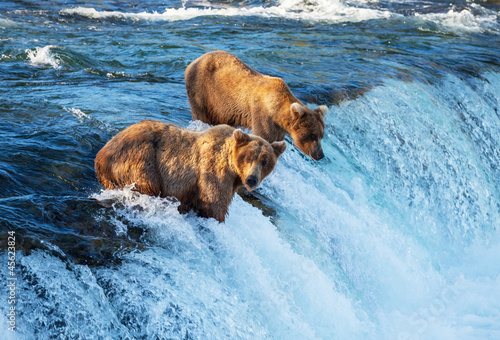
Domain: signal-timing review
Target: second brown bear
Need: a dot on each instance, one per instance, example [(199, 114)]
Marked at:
[(223, 90)]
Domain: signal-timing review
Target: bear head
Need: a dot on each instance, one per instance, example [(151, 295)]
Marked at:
[(308, 128), (255, 157)]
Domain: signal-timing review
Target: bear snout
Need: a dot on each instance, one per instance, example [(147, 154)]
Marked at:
[(251, 181), (318, 154)]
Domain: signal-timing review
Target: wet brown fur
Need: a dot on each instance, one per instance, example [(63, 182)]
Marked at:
[(202, 169), (223, 90)]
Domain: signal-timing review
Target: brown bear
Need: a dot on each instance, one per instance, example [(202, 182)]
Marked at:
[(202, 169), (223, 90)]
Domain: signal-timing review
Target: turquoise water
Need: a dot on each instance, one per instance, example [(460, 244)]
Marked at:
[(394, 235)]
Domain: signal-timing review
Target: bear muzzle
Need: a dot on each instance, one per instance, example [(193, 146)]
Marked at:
[(251, 182), (317, 152)]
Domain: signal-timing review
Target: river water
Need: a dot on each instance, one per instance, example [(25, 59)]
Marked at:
[(394, 235)]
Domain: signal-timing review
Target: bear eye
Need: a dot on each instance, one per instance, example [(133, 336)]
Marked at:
[(264, 163), (248, 160)]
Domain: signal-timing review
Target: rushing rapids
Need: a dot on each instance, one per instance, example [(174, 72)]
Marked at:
[(393, 235)]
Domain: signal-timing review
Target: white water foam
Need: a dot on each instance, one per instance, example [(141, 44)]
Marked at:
[(316, 10), (82, 116), (6, 23), (85, 118), (198, 125), (477, 19), (268, 286), (436, 168), (43, 56)]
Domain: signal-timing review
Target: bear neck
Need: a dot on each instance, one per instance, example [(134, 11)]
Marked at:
[(231, 159), (230, 153), (283, 119)]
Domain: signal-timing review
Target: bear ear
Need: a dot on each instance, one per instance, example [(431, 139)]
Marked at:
[(279, 148), (240, 137), (296, 110), (322, 110)]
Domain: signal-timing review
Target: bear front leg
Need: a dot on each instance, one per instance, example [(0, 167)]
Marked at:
[(213, 210), (215, 201), (201, 113), (262, 128)]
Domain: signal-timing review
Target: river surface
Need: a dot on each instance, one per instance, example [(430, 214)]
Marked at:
[(393, 235)]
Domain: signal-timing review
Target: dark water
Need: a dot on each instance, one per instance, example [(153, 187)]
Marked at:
[(393, 236)]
